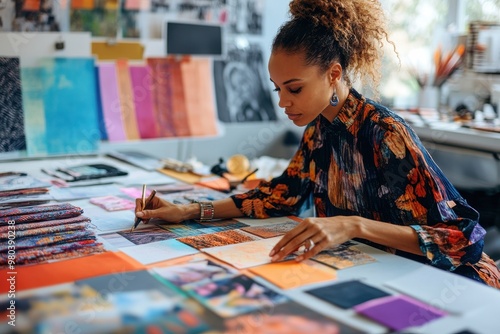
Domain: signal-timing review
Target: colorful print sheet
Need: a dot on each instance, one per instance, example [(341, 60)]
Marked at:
[(343, 256), (218, 239), (288, 317), (146, 234), (270, 231), (193, 228), (194, 273), (236, 295)]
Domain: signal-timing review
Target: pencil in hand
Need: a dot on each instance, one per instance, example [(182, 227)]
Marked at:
[(143, 204), (146, 204)]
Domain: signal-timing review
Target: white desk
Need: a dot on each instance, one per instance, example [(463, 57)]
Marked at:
[(480, 319), (470, 158)]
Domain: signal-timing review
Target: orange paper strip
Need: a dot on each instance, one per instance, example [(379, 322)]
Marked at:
[(291, 274), (126, 99), (199, 92), (35, 276)]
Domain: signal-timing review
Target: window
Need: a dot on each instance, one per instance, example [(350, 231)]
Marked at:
[(418, 28)]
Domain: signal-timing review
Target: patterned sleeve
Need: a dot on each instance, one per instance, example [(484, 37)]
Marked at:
[(422, 197), (283, 195)]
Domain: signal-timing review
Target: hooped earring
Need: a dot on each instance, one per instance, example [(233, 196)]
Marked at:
[(334, 100)]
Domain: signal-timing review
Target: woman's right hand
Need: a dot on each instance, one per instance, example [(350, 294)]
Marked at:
[(161, 209)]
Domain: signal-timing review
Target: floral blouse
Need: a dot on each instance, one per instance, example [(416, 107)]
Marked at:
[(369, 162)]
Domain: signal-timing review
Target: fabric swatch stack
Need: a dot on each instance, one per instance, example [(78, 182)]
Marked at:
[(34, 234)]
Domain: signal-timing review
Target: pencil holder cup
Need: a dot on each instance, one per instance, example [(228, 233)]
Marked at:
[(429, 97)]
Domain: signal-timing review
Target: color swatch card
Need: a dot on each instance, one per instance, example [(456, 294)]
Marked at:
[(218, 239), (158, 251), (399, 312), (194, 273), (348, 294), (246, 255), (270, 231), (291, 274), (193, 228), (113, 203), (343, 256), (288, 317), (236, 295)]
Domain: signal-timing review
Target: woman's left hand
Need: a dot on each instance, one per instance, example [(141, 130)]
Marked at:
[(316, 234)]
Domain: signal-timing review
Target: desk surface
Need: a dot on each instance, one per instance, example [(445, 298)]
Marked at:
[(450, 133), (389, 273)]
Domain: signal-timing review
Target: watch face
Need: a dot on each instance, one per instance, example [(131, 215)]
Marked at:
[(206, 211)]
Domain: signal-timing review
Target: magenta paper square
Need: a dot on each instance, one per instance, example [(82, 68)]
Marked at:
[(399, 312)]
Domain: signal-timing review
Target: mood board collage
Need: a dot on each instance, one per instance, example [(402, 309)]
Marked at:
[(72, 262)]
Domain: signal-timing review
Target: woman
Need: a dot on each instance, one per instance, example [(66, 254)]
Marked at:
[(369, 174)]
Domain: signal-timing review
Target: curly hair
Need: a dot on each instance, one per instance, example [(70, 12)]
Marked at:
[(351, 32)]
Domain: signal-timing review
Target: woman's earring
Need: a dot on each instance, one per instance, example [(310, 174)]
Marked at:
[(334, 100)]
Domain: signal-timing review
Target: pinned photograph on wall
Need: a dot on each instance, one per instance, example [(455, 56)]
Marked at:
[(100, 17), (242, 85), (246, 16), (30, 15)]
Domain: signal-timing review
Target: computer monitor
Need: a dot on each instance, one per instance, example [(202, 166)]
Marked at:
[(201, 39)]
